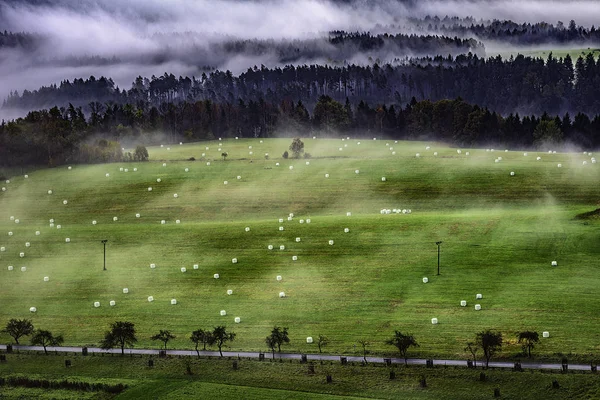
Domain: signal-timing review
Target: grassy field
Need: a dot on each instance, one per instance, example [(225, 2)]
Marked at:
[(213, 379), (499, 232)]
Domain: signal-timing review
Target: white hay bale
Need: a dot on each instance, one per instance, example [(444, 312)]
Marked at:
[(301, 221), (150, 298), (282, 247), (546, 334), (168, 148), (280, 220), (37, 233), (279, 278), (229, 292), (50, 191), (208, 163), (107, 175), (10, 233), (467, 153), (345, 145), (340, 148), (479, 296), (492, 150), (435, 153), (2, 248), (51, 225), (383, 179), (23, 269), (67, 240), (308, 163), (196, 266), (348, 214), (164, 164), (559, 165), (125, 290), (216, 276), (512, 173), (417, 155), (459, 151), (173, 302), (434, 321), (12, 218), (277, 164), (358, 143), (32, 309), (10, 267), (477, 307), (281, 228), (21, 254), (281, 294), (525, 154), (51, 220), (234, 260), (496, 161), (238, 177), (554, 263), (58, 226), (427, 147), (137, 215), (291, 167), (309, 340), (250, 153), (112, 303), (585, 163), (135, 170), (187, 170), (326, 175), (121, 169), (223, 313), (356, 171), (17, 221), (126, 169), (331, 242), (294, 258), (158, 180), (346, 230), (177, 221), (3, 189), (237, 320), (162, 145), (175, 195), (298, 240), (549, 151), (183, 269), (225, 182), (26, 176), (149, 188), (27, 244), (65, 202), (538, 158), (96, 304), (163, 222), (289, 218), (115, 219), (270, 247), (94, 222), (152, 266), (425, 280), (308, 220), (463, 303)]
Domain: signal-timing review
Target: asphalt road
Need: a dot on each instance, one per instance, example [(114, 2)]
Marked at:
[(310, 357)]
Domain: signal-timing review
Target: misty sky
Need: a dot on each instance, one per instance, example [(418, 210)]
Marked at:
[(130, 30)]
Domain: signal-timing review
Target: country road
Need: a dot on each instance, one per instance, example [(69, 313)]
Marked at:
[(310, 357)]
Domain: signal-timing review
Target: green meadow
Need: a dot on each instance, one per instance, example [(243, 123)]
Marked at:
[(500, 234)]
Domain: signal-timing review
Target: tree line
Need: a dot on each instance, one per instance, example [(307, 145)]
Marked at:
[(518, 84), (64, 135), (123, 334)]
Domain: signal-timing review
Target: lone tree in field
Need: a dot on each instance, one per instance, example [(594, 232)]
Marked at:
[(18, 328), (121, 334), (163, 336), (221, 336), (402, 342), (224, 155), (472, 348), (322, 342), (297, 148), (528, 339), (46, 338), (140, 154), (364, 343), (201, 336), (490, 342), (277, 337)]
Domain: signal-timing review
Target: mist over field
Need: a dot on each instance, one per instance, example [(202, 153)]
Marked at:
[(123, 40)]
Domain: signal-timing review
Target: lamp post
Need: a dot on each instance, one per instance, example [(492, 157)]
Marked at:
[(104, 243), (438, 245)]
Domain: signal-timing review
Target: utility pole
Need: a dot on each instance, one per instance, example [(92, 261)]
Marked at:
[(438, 245), (104, 243)]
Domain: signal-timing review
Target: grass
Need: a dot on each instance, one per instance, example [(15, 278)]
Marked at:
[(499, 235), (274, 380)]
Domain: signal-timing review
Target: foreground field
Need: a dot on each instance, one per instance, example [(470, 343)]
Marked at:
[(500, 234), (170, 379)]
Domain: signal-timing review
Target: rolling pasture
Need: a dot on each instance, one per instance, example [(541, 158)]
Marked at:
[(500, 234)]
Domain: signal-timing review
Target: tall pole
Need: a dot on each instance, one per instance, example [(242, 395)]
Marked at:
[(438, 245), (104, 243)]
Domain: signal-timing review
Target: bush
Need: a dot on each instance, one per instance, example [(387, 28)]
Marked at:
[(307, 155), (141, 154), (286, 154)]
